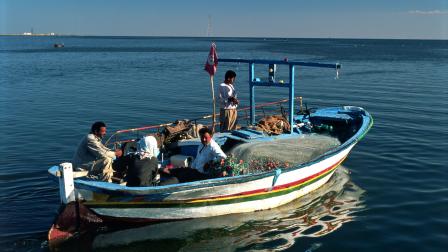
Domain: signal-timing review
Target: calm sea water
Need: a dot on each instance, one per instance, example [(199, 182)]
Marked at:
[(391, 194)]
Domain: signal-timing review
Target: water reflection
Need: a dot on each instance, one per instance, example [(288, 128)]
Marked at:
[(317, 214)]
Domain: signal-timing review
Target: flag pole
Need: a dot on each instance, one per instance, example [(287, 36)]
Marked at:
[(211, 66), (214, 103)]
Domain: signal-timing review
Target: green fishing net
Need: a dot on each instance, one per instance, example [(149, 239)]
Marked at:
[(256, 157)]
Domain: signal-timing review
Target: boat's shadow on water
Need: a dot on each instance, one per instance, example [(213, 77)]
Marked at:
[(316, 214)]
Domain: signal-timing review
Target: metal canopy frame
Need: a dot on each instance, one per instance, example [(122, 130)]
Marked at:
[(254, 82)]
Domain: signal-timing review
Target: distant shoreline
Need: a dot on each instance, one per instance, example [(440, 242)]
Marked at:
[(34, 35), (204, 37)]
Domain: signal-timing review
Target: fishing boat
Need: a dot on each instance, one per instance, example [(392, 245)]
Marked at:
[(247, 192), (316, 214)]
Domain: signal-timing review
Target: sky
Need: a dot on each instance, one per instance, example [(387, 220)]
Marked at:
[(397, 19)]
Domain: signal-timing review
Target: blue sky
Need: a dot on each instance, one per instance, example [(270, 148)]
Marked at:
[(407, 19)]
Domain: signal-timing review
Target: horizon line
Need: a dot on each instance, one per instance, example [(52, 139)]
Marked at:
[(211, 37)]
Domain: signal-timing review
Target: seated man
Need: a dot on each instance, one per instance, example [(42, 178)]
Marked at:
[(93, 156), (208, 152)]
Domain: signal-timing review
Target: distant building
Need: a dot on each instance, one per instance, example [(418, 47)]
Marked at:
[(39, 34)]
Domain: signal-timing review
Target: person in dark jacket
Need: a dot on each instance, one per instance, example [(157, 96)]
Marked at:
[(142, 166)]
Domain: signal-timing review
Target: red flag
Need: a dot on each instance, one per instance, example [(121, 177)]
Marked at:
[(212, 61)]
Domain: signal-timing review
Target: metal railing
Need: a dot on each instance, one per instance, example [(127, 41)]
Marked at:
[(129, 135)]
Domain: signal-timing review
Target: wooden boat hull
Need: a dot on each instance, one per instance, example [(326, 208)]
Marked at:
[(225, 199)]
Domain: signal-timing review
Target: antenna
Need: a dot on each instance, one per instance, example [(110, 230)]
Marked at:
[(209, 27)]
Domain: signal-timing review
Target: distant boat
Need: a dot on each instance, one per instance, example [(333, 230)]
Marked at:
[(58, 45)]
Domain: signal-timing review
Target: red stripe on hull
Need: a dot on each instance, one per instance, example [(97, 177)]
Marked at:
[(275, 188)]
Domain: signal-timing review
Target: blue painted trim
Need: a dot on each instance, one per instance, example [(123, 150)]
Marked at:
[(277, 174), (291, 97), (254, 82), (270, 84), (282, 62), (252, 92)]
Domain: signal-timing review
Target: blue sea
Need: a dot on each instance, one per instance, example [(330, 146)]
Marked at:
[(391, 194)]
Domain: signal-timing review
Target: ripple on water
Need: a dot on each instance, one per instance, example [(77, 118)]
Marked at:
[(400, 163)]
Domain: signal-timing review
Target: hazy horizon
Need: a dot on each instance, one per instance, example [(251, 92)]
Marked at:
[(401, 19), (214, 37)]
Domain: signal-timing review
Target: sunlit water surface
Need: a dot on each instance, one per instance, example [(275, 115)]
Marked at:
[(391, 194)]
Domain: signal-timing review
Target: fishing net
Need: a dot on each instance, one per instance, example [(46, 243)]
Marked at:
[(257, 157)]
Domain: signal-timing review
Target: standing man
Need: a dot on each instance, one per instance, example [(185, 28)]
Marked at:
[(93, 156), (228, 102)]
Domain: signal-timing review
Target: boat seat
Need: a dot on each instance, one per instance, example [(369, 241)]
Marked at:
[(247, 133), (346, 113)]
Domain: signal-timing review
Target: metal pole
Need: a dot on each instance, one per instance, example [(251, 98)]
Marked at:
[(252, 93), (291, 96), (214, 103)]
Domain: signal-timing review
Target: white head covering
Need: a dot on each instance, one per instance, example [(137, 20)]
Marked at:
[(147, 147)]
